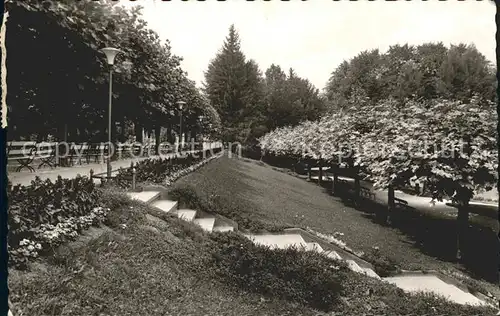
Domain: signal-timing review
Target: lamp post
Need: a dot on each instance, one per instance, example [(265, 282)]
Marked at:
[(110, 53), (181, 104)]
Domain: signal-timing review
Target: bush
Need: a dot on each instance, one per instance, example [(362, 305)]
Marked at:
[(45, 214), (383, 266), (158, 170), (304, 277), (189, 197)]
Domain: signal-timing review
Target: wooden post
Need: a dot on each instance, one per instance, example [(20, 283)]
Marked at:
[(134, 171), (308, 170), (391, 204)]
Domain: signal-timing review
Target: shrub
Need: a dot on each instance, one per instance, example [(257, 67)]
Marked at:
[(188, 196), (44, 214), (304, 277), (383, 266), (158, 170)]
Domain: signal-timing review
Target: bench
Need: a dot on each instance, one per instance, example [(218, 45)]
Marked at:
[(26, 152), (47, 153), (400, 202), (23, 152), (96, 151)]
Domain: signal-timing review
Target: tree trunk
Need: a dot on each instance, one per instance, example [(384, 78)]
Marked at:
[(357, 187), (122, 131), (169, 134), (462, 227), (335, 179), (157, 139), (391, 204), (138, 132)]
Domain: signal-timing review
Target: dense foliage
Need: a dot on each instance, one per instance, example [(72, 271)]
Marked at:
[(304, 277), (430, 142), (250, 104), (45, 214), (65, 84), (160, 170), (426, 71)]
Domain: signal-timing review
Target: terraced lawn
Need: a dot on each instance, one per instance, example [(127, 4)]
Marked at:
[(276, 198)]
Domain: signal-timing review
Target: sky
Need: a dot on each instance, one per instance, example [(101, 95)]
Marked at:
[(314, 36)]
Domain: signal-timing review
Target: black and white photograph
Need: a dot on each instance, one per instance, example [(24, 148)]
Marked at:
[(209, 158)]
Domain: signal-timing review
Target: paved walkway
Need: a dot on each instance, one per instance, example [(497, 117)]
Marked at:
[(25, 177), (486, 209)]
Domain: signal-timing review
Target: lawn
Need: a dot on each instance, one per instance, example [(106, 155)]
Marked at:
[(281, 200), (144, 262)]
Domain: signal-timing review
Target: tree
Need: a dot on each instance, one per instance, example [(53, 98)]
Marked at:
[(65, 83), (406, 72), (234, 86), (290, 99)]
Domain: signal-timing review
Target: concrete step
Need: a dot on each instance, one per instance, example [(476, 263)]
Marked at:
[(206, 223), (356, 268), (223, 229), (185, 214), (278, 241), (165, 205), (332, 255), (433, 284), (144, 196), (314, 246)]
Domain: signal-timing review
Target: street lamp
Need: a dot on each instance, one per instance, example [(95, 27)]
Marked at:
[(181, 104), (110, 53)]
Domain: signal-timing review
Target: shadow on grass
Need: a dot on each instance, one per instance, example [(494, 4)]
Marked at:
[(436, 236)]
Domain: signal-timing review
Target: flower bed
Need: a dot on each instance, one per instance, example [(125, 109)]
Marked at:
[(160, 170), (45, 214)]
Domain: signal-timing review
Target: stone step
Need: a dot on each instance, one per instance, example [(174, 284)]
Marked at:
[(206, 223), (332, 255), (185, 214), (314, 246), (165, 205), (278, 241), (356, 268), (433, 284), (144, 196), (223, 229)]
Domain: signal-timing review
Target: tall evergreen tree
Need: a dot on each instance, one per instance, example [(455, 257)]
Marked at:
[(234, 86)]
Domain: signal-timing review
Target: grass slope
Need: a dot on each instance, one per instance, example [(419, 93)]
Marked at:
[(144, 262), (277, 199)]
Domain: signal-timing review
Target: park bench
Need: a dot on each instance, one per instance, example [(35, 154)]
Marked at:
[(26, 152), (47, 153), (96, 151), (147, 149), (23, 152), (400, 203), (67, 154)]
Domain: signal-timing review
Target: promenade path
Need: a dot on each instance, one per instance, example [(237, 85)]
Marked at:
[(25, 177)]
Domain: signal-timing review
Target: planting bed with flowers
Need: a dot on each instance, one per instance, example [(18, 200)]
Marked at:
[(164, 169), (45, 214)]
